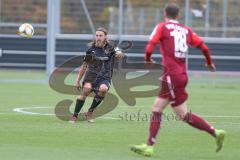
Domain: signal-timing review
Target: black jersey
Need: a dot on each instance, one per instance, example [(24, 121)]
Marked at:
[(100, 62)]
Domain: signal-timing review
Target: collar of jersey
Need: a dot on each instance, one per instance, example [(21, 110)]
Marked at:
[(173, 21)]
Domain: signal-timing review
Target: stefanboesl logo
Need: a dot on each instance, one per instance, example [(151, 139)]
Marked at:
[(123, 80)]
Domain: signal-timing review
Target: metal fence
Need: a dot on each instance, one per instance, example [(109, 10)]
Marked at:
[(62, 23), (209, 18)]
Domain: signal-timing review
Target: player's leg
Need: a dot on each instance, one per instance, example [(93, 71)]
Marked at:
[(87, 88), (199, 123), (159, 105), (192, 119), (179, 99), (180, 108), (147, 149), (102, 87)]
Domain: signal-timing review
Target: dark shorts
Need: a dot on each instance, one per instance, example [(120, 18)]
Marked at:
[(173, 88), (98, 82)]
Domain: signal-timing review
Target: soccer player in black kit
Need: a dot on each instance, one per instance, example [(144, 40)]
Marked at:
[(97, 70)]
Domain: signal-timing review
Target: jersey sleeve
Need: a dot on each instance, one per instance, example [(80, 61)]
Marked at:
[(197, 41), (89, 55), (154, 39)]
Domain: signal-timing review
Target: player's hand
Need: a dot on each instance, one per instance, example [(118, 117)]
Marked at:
[(151, 61), (78, 85), (120, 55), (211, 67)]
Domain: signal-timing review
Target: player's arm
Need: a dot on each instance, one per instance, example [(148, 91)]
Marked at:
[(154, 39), (81, 73), (118, 52), (198, 43)]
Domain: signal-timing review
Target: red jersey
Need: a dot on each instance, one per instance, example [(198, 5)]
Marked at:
[(174, 39)]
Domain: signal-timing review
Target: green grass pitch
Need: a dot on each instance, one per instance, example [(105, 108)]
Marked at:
[(39, 136)]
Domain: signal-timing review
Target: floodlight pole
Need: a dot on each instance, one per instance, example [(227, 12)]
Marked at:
[(58, 16), (51, 39), (88, 16), (207, 18), (186, 12), (224, 25), (120, 27), (120, 20)]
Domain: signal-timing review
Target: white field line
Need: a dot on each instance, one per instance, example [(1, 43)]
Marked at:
[(23, 110), (20, 111), (114, 118)]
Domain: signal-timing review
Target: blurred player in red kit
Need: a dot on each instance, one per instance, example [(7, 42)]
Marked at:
[(174, 39)]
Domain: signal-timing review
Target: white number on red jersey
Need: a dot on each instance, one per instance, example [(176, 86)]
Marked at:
[(180, 43)]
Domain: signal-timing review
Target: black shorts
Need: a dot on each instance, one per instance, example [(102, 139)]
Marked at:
[(98, 81)]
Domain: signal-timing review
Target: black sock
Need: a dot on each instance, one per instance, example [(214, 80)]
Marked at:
[(96, 101), (78, 107)]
